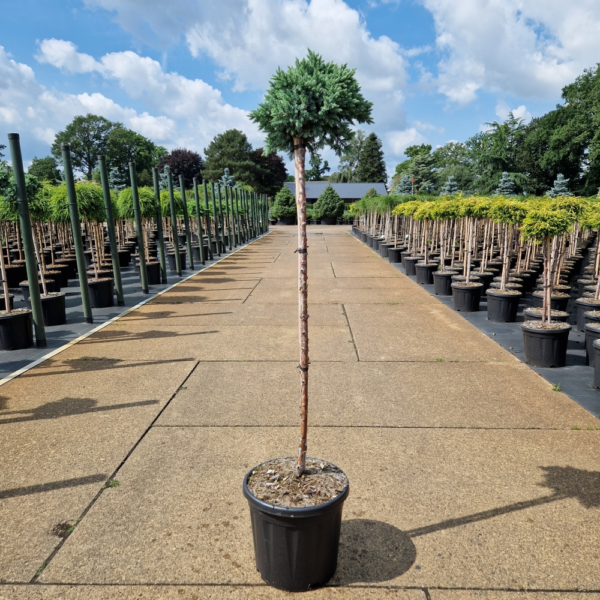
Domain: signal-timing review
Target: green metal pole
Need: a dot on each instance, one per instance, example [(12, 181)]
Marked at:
[(216, 219), (30, 260), (221, 219), (159, 227), (76, 229), (238, 216), (186, 223), (174, 223), (137, 213), (199, 220), (208, 233), (253, 213), (236, 221), (110, 224), (229, 231), (246, 215)]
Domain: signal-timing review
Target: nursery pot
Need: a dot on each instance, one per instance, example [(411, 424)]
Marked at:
[(153, 272), (465, 298), (287, 221), (591, 316), (3, 303), (596, 346), (410, 264), (556, 315), (486, 279), (15, 274), (16, 330), (425, 272), (63, 273), (592, 333), (502, 307), (556, 302), (171, 260), (53, 308), (584, 305), (101, 292), (25, 290), (328, 220), (71, 264), (124, 257), (545, 348), (295, 548), (442, 281), (394, 255)]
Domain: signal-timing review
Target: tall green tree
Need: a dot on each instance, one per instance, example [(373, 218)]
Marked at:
[(405, 167), (371, 164), (318, 168), (45, 169), (421, 172), (311, 105), (271, 173), (232, 150), (184, 162), (88, 137), (349, 159)]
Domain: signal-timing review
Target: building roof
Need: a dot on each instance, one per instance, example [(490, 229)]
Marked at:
[(346, 191)]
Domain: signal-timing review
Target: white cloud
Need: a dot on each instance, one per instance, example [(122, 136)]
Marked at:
[(526, 49), (521, 112), (427, 127), (249, 39), (399, 141)]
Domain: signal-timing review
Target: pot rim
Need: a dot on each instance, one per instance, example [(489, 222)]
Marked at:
[(285, 511), (25, 311), (547, 331)]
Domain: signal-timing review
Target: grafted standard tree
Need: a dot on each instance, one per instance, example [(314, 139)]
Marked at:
[(310, 105)]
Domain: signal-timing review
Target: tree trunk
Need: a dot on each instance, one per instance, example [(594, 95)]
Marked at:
[(299, 160)]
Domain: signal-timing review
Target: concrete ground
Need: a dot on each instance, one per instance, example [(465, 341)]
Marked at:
[(123, 456)]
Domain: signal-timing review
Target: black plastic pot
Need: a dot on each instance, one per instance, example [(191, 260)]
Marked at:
[(592, 333), (394, 255), (556, 302), (3, 303), (545, 348), (295, 548), (71, 266), (466, 298), (182, 255), (502, 308), (55, 276), (124, 258), (485, 278), (54, 310), (153, 272), (442, 282), (582, 307), (425, 272), (596, 347), (89, 258), (16, 331), (384, 249), (15, 274), (25, 290), (370, 239), (410, 263), (562, 316), (591, 316), (101, 292), (328, 220), (363, 237), (287, 221)]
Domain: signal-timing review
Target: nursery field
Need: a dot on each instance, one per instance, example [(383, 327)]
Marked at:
[(124, 455)]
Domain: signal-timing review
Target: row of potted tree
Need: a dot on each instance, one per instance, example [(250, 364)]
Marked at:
[(500, 247), (329, 209), (50, 234)]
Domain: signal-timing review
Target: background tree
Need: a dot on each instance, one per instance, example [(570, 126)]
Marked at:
[(507, 186), (88, 137), (328, 204), (560, 188), (116, 181), (450, 187), (45, 169), (453, 160), (231, 150), (310, 105), (422, 172), (271, 173), (406, 166), (371, 163), (318, 168), (350, 158), (284, 206), (404, 187), (184, 162)]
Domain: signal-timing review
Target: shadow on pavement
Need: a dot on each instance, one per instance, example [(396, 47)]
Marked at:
[(52, 485)]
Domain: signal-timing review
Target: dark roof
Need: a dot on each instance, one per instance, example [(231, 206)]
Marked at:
[(346, 191)]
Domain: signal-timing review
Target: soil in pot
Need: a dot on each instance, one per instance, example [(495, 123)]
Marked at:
[(101, 292), (545, 344), (591, 316), (532, 313), (53, 309), (466, 296), (25, 290), (296, 522), (502, 305), (442, 281), (424, 272), (16, 329), (584, 305)]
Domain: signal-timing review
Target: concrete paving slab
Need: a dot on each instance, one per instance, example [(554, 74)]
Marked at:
[(490, 395), (366, 270), (427, 508), (427, 331), (499, 595), (192, 592), (65, 427)]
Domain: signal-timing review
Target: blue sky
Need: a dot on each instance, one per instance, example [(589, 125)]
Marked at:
[(182, 71)]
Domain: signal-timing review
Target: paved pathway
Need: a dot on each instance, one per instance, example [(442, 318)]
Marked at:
[(468, 480)]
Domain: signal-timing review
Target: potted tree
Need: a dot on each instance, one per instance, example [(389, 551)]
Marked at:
[(545, 341), (329, 207), (445, 212), (284, 208), (296, 504)]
